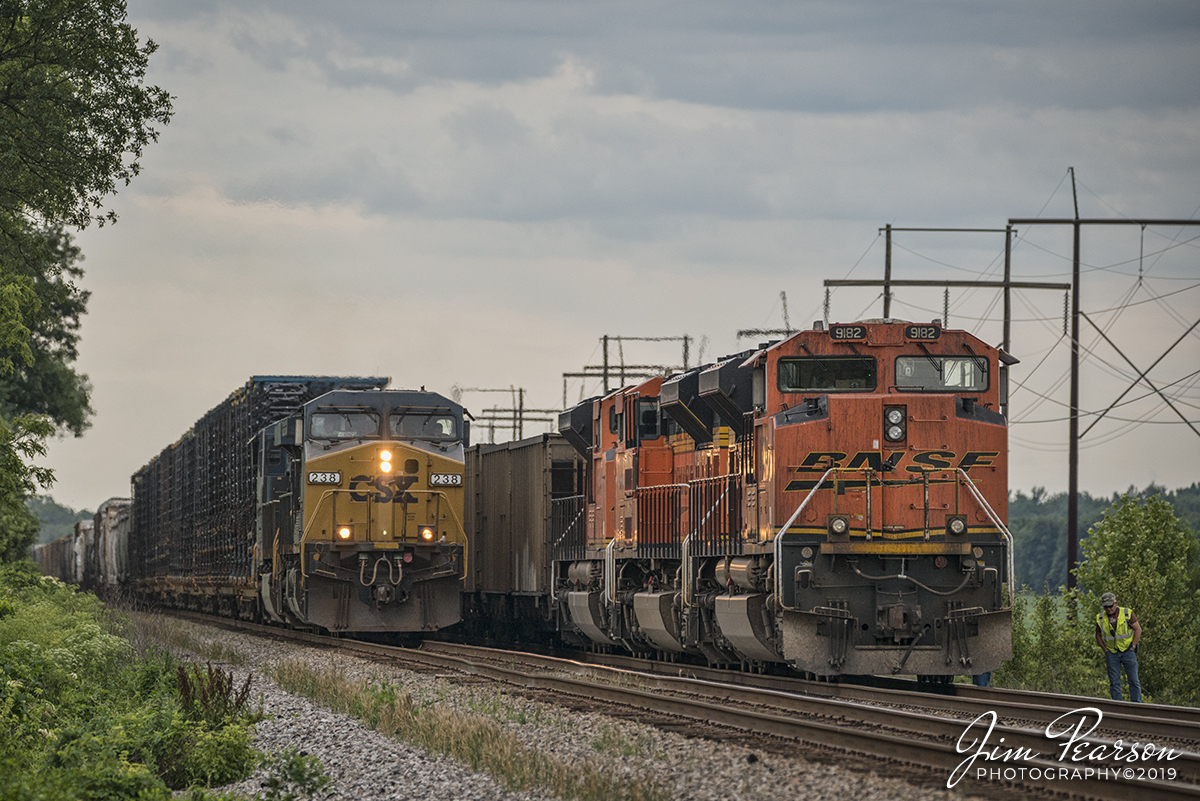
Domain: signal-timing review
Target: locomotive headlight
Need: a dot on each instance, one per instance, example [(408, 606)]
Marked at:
[(894, 416), (426, 533), (385, 456), (385, 467), (895, 433), (838, 525), (956, 525), (895, 421), (345, 532)]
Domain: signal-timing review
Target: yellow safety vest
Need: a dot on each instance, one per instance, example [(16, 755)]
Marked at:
[(1122, 638)]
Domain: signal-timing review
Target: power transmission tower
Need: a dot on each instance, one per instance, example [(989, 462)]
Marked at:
[(786, 331), (606, 369), (512, 419), (1076, 314)]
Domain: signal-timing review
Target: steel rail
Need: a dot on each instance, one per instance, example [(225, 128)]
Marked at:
[(935, 756), (1142, 720), (940, 728), (699, 707)]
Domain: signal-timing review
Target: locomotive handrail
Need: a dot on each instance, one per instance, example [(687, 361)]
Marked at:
[(1005, 534), (779, 534), (689, 588), (1003, 530), (725, 479), (610, 569), (571, 525)]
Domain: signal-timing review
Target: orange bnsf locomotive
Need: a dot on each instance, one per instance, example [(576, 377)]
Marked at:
[(836, 501)]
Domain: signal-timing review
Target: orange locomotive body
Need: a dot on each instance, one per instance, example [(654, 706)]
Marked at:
[(837, 501)]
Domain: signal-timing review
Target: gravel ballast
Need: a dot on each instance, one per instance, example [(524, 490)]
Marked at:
[(364, 764)]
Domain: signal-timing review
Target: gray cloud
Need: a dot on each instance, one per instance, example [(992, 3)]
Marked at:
[(485, 188)]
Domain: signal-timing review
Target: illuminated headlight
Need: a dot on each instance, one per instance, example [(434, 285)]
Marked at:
[(345, 532), (385, 456), (956, 525), (427, 532), (385, 467), (838, 525)]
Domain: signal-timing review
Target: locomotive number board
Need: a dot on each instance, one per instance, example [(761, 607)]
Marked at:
[(445, 479), (925, 332), (847, 332), (324, 478)]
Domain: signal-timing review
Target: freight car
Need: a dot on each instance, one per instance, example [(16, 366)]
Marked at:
[(836, 501), (309, 501), (513, 492)]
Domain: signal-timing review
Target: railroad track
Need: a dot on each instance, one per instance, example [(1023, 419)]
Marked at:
[(865, 727), (1157, 722)]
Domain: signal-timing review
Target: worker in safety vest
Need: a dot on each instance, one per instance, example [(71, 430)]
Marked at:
[(1118, 632)]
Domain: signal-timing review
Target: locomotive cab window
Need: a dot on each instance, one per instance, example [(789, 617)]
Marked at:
[(344, 424), (827, 374), (423, 425), (648, 420), (941, 373)]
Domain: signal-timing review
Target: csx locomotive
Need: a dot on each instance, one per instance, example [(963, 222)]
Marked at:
[(835, 501), (317, 502)]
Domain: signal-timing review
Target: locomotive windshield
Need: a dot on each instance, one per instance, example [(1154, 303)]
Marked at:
[(941, 373), (827, 374), (344, 424), (423, 425)]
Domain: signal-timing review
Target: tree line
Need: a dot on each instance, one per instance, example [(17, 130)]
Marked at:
[(1038, 522)]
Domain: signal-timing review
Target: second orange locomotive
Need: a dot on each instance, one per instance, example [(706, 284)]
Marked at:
[(837, 501)]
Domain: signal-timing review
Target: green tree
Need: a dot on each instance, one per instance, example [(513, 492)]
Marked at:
[(1052, 647), (1147, 556), (46, 382), (54, 519), (75, 112), (75, 117), (21, 439)]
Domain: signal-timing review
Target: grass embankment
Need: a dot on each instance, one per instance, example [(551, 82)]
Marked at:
[(92, 710), (475, 740)]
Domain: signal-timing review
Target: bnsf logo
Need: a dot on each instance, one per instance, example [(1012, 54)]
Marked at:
[(382, 489), (817, 462)]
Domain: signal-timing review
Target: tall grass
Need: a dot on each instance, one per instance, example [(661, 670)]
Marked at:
[(477, 741)]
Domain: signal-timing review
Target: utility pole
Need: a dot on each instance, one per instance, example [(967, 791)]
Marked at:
[(887, 275), (514, 418), (604, 370), (1007, 284), (1073, 445)]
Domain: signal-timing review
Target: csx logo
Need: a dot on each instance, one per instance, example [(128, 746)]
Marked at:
[(817, 462), (387, 489)]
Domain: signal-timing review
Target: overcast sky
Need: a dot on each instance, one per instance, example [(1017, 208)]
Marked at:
[(473, 193)]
